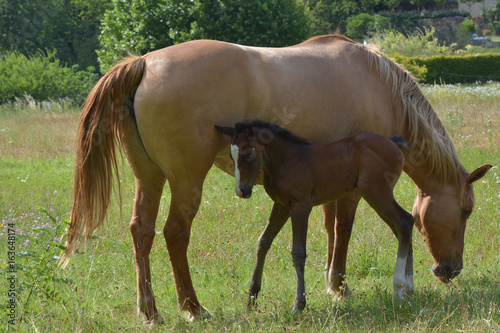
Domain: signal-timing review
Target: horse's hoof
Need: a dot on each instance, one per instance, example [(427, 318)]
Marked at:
[(157, 320), (340, 295), (202, 314)]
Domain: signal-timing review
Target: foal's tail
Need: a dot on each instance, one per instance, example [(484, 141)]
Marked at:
[(99, 132), (400, 142)]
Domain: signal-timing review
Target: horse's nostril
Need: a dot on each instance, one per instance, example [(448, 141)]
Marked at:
[(446, 272), (246, 193)]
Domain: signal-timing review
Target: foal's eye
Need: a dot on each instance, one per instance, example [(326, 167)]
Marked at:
[(249, 156)]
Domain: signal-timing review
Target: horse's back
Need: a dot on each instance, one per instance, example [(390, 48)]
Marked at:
[(322, 89)]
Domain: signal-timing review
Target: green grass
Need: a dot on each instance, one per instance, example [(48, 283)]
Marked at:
[(96, 293)]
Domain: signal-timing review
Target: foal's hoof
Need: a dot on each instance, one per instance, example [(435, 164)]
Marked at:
[(252, 303), (201, 314), (299, 306)]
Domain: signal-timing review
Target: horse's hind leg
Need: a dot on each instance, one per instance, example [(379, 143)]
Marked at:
[(278, 218), (186, 196), (142, 228), (149, 180), (338, 221)]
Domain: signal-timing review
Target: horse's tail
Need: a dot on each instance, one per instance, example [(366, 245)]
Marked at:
[(99, 132), (400, 142)]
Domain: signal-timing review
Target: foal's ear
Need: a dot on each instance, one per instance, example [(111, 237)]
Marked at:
[(478, 173), (225, 130), (248, 132)]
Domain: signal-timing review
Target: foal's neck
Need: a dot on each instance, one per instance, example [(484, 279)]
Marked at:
[(281, 151)]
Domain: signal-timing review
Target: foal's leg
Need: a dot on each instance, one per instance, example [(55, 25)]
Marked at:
[(401, 223), (339, 235), (186, 198), (300, 218), (278, 218)]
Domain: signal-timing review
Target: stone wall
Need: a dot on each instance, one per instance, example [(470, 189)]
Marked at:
[(476, 9)]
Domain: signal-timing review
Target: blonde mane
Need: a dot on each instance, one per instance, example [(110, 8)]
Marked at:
[(426, 134)]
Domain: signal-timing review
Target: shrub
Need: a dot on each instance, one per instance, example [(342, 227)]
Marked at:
[(419, 72), (419, 43), (42, 77), (362, 25), (459, 69)]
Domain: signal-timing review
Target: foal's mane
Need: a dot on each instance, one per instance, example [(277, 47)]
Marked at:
[(426, 134), (243, 126)]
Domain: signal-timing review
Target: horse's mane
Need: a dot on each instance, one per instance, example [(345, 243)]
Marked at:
[(243, 126), (425, 132)]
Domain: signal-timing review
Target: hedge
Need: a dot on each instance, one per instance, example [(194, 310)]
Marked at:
[(457, 69), (42, 77)]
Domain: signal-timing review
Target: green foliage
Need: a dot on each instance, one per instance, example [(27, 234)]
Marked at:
[(68, 26), (494, 18), (419, 72), (419, 43), (141, 26), (332, 15), (42, 77), (364, 24), (38, 259), (460, 69), (136, 26), (469, 25), (260, 23), (464, 33)]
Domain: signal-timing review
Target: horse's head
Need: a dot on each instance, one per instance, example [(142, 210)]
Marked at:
[(441, 217), (247, 159)]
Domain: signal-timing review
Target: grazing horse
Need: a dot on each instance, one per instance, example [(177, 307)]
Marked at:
[(161, 109), (298, 176)]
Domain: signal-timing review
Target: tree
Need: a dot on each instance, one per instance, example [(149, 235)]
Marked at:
[(68, 26), (331, 15), (259, 22), (141, 26), (364, 24)]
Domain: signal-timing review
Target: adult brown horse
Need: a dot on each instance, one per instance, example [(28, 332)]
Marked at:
[(162, 107)]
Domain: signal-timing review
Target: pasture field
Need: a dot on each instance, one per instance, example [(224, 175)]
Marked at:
[(97, 292)]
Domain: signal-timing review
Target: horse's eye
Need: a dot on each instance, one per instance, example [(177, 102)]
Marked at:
[(466, 213)]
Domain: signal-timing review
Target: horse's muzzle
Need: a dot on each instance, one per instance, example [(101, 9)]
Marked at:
[(244, 192), (445, 272)]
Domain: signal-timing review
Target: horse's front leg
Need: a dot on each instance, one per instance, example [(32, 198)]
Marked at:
[(300, 216), (278, 218), (338, 221)]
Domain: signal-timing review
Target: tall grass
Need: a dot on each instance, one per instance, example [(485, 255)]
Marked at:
[(97, 291)]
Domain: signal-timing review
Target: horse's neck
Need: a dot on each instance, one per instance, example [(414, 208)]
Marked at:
[(425, 176)]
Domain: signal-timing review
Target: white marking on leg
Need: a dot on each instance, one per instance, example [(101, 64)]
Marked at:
[(235, 153), (399, 279)]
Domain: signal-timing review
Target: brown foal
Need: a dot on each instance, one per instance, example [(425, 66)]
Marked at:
[(299, 175)]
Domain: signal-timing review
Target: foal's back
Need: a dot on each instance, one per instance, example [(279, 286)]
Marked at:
[(362, 160)]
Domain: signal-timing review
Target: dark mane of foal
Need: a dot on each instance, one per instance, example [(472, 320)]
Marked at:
[(240, 127)]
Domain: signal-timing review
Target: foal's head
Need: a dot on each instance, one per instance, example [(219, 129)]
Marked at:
[(246, 153)]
